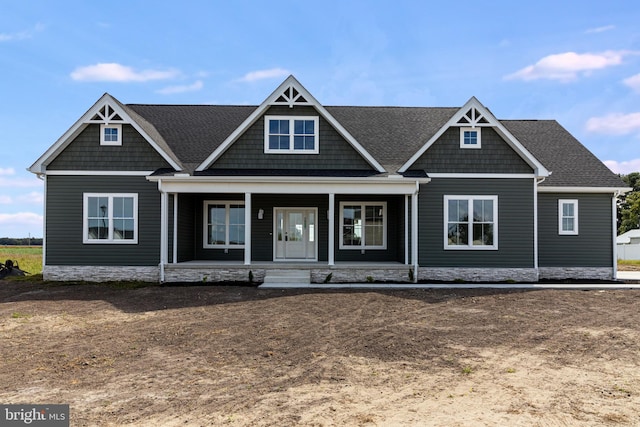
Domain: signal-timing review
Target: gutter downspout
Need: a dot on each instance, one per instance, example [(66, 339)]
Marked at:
[(43, 177)]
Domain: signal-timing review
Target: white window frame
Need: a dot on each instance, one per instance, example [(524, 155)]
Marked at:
[(205, 226), (363, 245), (291, 150), (470, 246), (561, 230), (479, 137), (105, 126), (109, 217)]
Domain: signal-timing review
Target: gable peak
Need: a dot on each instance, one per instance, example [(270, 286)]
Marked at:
[(106, 110), (291, 93)]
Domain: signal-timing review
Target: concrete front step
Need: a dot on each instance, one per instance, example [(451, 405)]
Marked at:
[(302, 277)]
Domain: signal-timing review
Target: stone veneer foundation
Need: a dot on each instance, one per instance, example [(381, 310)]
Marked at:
[(101, 273), (343, 274), (456, 274)]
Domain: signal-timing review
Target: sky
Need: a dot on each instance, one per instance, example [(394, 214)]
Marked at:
[(577, 62)]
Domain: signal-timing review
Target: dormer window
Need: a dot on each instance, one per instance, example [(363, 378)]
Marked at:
[(110, 134), (470, 138), (291, 135)]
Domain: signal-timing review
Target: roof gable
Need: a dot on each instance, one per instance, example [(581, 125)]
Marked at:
[(289, 93), (107, 110), (474, 114)]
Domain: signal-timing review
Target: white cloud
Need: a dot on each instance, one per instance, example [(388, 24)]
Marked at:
[(21, 219), (569, 66), (113, 72), (21, 35), (633, 82), (7, 171), (615, 124), (34, 197), (7, 183), (196, 86), (264, 74), (625, 167), (600, 29)]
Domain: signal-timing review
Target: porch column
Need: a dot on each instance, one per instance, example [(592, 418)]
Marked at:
[(414, 234), (175, 228), (332, 228), (164, 230), (247, 228), (406, 229)]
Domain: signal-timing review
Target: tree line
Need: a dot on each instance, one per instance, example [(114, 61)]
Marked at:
[(25, 241), (629, 204)]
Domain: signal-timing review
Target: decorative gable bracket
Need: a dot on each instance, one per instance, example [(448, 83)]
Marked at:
[(106, 114), (473, 118), (291, 96)]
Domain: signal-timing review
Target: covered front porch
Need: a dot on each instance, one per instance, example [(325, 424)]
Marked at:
[(238, 229)]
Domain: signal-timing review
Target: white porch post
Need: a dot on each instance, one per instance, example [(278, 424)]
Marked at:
[(175, 228), (164, 229), (414, 233), (247, 228), (406, 229), (332, 228)]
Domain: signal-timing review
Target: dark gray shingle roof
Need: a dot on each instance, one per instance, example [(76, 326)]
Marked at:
[(390, 134), (571, 163)]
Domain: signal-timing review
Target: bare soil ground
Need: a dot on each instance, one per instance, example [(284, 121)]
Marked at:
[(241, 356)]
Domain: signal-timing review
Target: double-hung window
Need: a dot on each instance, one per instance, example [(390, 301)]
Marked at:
[(110, 218), (291, 135), (363, 225), (470, 222), (568, 217), (224, 224)]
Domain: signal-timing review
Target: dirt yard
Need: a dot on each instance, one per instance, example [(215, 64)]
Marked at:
[(241, 356)]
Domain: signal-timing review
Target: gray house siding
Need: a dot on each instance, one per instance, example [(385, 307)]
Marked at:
[(334, 151), (86, 153), (495, 156), (515, 223), (186, 227), (64, 222), (592, 247)]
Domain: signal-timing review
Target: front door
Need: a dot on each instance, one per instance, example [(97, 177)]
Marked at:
[(295, 234)]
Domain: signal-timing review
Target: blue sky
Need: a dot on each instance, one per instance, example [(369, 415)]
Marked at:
[(574, 61)]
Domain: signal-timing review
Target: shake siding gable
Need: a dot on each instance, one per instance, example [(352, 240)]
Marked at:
[(495, 156), (64, 226), (247, 152), (85, 153)]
